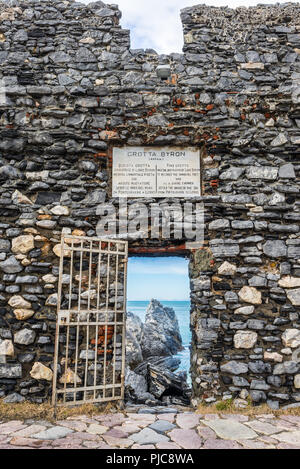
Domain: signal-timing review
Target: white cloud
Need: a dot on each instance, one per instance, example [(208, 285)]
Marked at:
[(156, 24)]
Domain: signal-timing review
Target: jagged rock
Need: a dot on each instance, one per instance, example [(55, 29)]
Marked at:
[(23, 314), (161, 331), (276, 199), (47, 224), (26, 357), (4, 245), (224, 248), (37, 175), (245, 339), (6, 348), (135, 381), (10, 371), (60, 210), (69, 377), (275, 249), (287, 171), (26, 279), (49, 278), (165, 383), (59, 57), (18, 301), (291, 338), (246, 310), (250, 295), (219, 224), (289, 367), (201, 283), (289, 282), (297, 381), (294, 296), (24, 337), (76, 233), (295, 355), (8, 171), (227, 269), (58, 251), (262, 172), (252, 66), (11, 265), (279, 140), (232, 173), (40, 371), (13, 398), (135, 385), (273, 356), (169, 363), (52, 300), (240, 403), (134, 333), (234, 367), (22, 244), (19, 198), (96, 197)]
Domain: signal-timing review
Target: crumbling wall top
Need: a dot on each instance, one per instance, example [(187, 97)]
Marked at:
[(284, 14)]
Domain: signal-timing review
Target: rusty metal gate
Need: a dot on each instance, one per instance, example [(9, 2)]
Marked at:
[(89, 360)]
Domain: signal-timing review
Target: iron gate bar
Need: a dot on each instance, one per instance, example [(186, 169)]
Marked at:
[(99, 324)]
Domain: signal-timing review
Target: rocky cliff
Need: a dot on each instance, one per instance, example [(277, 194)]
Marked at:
[(158, 336), (161, 335), (150, 346), (134, 336)]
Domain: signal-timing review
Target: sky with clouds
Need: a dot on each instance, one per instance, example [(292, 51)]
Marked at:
[(162, 278), (155, 24)]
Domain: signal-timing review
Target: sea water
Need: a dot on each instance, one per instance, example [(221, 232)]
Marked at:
[(182, 311)]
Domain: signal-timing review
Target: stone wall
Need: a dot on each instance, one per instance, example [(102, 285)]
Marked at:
[(71, 89)]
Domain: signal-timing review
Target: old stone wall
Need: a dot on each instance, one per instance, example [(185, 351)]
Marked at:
[(71, 89)]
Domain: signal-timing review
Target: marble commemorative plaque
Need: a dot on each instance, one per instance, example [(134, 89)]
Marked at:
[(156, 172)]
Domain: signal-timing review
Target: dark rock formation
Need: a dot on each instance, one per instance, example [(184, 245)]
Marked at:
[(136, 385), (150, 364), (161, 336), (134, 334), (164, 383), (136, 389), (169, 363)]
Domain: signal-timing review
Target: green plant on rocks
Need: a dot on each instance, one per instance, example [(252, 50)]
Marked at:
[(224, 405)]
